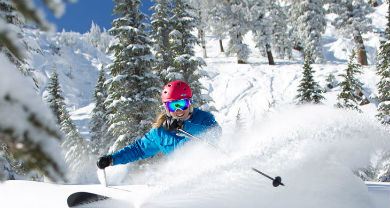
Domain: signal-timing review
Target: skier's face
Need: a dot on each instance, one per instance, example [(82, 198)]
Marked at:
[(181, 114)]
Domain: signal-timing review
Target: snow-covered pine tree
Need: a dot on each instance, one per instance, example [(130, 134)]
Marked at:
[(94, 35), (74, 146), (238, 21), (239, 125), (133, 89), (383, 171), (383, 70), (331, 81), (202, 9), (98, 39), (349, 97), (54, 97), (161, 26), (261, 27), (308, 22), (353, 20), (279, 38), (378, 170), (217, 22), (76, 150), (186, 66), (309, 90), (98, 121)]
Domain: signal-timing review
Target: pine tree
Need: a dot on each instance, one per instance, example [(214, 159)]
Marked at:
[(239, 125), (218, 13), (98, 121), (54, 97), (349, 97), (353, 20), (331, 81), (186, 66), (94, 35), (383, 70), (74, 146), (133, 89), (308, 22), (161, 26), (262, 28), (280, 41), (238, 20), (309, 90), (201, 12), (76, 149)]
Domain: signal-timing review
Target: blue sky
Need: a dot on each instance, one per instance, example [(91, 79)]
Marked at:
[(79, 15)]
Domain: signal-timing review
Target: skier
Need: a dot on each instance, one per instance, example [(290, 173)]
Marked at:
[(179, 113)]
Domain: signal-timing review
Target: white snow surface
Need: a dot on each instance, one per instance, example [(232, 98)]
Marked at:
[(314, 149)]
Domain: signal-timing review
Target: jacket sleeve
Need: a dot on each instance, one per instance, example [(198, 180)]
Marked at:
[(208, 128), (141, 149)]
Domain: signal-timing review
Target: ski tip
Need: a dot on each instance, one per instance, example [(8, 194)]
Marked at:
[(80, 198)]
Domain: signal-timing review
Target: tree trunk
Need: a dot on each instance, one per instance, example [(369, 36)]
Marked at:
[(269, 54), (165, 43), (241, 61), (361, 50), (221, 46), (202, 42), (298, 47)]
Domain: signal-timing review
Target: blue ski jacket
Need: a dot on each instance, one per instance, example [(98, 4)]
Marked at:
[(201, 124)]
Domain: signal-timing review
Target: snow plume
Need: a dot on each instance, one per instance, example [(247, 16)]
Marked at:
[(315, 149)]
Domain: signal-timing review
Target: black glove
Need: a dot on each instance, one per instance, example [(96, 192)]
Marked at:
[(104, 161), (173, 124)]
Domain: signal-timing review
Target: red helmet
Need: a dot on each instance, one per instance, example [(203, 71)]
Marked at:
[(175, 90)]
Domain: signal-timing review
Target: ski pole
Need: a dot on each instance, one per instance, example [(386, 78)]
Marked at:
[(275, 181), (105, 178), (106, 184)]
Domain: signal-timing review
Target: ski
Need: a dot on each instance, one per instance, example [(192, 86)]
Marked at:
[(80, 198)]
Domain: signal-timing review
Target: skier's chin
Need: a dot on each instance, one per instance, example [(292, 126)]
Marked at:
[(183, 115)]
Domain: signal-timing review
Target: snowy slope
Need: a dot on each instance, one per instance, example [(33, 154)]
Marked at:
[(21, 194), (257, 88), (315, 149)]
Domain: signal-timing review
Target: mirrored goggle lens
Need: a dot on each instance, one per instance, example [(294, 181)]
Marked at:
[(178, 104)]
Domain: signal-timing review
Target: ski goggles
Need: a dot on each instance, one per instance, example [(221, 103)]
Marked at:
[(173, 106)]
